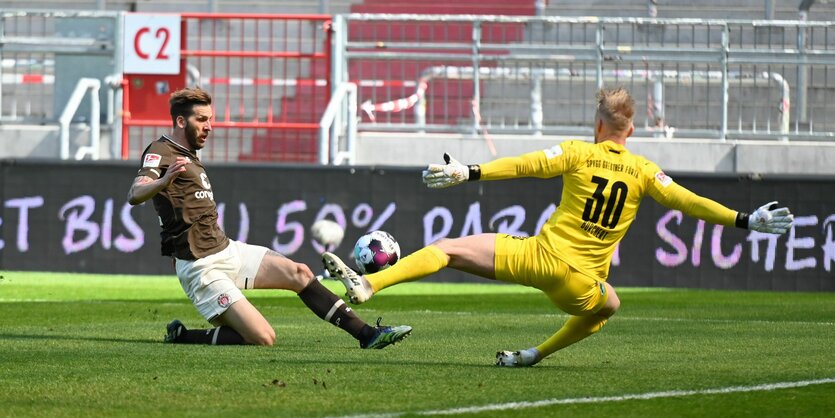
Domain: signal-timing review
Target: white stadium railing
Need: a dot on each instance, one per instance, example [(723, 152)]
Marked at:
[(705, 78)]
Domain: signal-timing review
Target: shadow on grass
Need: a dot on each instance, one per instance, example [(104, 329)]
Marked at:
[(372, 360), (488, 364), (78, 338)]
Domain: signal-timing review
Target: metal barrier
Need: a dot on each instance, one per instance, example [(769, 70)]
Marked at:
[(94, 85), (342, 108), (44, 54), (695, 78), (272, 76), (537, 75)]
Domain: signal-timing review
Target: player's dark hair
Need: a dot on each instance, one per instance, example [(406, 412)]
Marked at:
[(615, 107), (183, 101)]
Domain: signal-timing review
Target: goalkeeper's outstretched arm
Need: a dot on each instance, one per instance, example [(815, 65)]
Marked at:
[(533, 164), (438, 176), (768, 218)]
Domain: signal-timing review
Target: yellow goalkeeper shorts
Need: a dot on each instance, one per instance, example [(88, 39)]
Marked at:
[(524, 261)]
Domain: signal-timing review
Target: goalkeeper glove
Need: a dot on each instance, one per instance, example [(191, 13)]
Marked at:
[(438, 176), (767, 218)]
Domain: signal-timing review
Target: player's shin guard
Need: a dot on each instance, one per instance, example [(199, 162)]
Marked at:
[(331, 308), (419, 264), (575, 329)]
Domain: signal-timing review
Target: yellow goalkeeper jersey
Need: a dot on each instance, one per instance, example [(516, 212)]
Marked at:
[(603, 185)]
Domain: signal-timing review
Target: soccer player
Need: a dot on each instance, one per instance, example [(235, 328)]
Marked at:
[(212, 268), (603, 184)]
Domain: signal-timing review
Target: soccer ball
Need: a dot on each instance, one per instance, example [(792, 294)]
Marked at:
[(327, 233), (375, 251)]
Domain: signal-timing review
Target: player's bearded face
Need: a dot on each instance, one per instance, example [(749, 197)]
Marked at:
[(193, 136), (198, 127)]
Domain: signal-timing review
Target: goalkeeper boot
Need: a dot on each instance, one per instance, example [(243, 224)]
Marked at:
[(385, 336), (173, 331), (357, 287), (520, 358)]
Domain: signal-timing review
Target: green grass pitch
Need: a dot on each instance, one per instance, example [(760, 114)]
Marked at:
[(90, 345)]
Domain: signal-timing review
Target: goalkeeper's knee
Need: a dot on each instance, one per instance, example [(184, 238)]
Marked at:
[(612, 302)]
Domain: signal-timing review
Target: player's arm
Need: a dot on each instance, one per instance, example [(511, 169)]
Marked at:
[(542, 164), (767, 218), (144, 187)]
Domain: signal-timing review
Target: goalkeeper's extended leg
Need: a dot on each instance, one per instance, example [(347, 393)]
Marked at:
[(417, 265), (576, 328), (360, 288), (357, 288)]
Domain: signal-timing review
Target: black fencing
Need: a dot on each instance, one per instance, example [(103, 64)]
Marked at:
[(74, 217)]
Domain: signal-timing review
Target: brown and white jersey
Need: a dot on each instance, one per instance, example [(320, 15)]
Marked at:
[(186, 208)]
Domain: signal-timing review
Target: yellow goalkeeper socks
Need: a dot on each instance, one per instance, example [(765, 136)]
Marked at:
[(575, 329), (419, 264)]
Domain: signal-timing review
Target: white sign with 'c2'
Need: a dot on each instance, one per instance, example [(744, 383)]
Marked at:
[(152, 43)]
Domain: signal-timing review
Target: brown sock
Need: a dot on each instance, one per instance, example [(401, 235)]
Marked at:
[(331, 308)]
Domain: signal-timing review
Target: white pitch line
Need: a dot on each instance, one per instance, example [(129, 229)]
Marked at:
[(601, 399)]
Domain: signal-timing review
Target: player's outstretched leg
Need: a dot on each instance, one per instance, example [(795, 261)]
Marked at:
[(385, 336), (358, 289), (519, 358)]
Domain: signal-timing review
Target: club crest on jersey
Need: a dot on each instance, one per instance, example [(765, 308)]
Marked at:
[(554, 151), (151, 160), (223, 300), (664, 179)]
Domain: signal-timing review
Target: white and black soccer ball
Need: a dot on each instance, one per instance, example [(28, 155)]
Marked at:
[(376, 251), (327, 233)]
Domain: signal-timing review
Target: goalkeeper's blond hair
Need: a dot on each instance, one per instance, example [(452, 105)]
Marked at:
[(615, 107)]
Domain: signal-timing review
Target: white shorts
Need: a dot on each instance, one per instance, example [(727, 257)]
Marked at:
[(213, 283)]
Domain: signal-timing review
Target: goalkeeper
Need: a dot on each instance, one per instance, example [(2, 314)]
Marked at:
[(603, 185)]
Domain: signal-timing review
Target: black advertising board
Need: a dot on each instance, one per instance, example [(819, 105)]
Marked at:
[(74, 217)]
